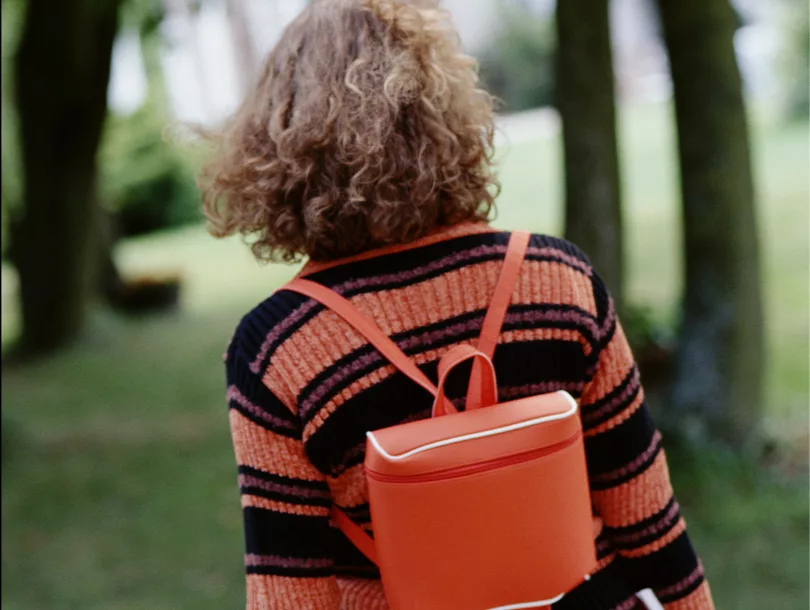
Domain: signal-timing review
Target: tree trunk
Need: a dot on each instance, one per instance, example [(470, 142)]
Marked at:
[(719, 364), (587, 107), (62, 72), (243, 43)]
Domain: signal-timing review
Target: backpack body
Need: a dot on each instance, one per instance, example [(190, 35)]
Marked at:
[(487, 508)]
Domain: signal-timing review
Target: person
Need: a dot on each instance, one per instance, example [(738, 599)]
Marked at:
[(366, 147)]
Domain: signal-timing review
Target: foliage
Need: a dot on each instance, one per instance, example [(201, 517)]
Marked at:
[(11, 169), (518, 66), (145, 180)]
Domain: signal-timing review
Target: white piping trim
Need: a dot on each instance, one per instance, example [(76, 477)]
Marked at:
[(468, 437), (538, 604)]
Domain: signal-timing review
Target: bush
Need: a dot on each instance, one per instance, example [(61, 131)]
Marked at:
[(518, 67), (144, 179)]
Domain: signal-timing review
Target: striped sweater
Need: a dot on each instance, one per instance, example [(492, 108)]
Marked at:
[(304, 387)]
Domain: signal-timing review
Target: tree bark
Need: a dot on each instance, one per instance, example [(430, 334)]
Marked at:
[(62, 72), (719, 363), (585, 98)]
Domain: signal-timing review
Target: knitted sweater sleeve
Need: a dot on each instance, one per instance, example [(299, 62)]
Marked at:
[(629, 477), (285, 500)]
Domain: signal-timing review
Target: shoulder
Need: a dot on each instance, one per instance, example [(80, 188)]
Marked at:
[(596, 298), (549, 247), (262, 329)]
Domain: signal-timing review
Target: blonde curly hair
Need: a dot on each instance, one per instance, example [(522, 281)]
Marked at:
[(366, 128)]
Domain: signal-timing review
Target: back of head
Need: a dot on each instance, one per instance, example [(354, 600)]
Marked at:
[(366, 127)]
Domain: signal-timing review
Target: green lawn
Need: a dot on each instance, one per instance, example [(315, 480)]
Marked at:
[(119, 486)]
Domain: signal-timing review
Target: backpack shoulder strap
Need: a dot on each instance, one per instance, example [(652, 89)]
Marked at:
[(491, 329), (364, 325), (493, 319)]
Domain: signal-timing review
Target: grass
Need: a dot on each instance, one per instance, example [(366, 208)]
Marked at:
[(119, 486)]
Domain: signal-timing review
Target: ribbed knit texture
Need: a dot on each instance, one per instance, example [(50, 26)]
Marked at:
[(304, 387)]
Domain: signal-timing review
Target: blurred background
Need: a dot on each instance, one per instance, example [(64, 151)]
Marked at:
[(680, 125)]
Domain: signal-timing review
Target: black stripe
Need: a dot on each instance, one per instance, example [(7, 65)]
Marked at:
[(607, 588), (664, 567), (619, 446), (298, 536), (630, 474), (351, 562)]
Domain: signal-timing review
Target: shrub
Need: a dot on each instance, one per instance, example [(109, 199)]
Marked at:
[(145, 181), (518, 67)]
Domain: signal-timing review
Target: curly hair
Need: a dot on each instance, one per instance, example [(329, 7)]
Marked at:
[(365, 128)]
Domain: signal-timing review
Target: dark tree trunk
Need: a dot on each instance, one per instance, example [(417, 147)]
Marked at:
[(62, 71), (719, 365), (586, 102)]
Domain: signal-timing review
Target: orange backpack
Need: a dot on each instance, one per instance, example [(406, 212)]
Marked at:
[(488, 508)]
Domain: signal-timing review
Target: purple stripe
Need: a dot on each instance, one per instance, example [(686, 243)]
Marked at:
[(246, 480), (235, 395), (411, 274), (534, 317), (544, 387), (609, 320), (567, 258), (279, 329), (629, 604), (687, 582), (663, 524), (277, 561), (633, 466), (594, 416)]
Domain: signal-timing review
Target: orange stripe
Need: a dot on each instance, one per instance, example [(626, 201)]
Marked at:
[(362, 593), (554, 283), (615, 362), (636, 499), (350, 488), (265, 592), (268, 452), (283, 507)]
